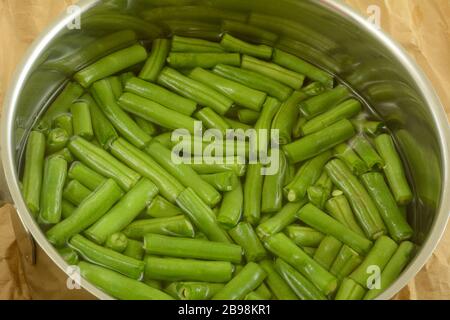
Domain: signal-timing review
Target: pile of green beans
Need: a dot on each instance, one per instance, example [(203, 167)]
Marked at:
[(100, 177)]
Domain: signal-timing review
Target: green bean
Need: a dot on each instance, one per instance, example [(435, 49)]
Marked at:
[(379, 256), (322, 222), (85, 175), (248, 32), (69, 255), (184, 173), (363, 206), (212, 120), (140, 161), (393, 169), (339, 208), (161, 208), (281, 246), (201, 215), (242, 95), (116, 86), (327, 251), (195, 290), (371, 128), (223, 181), (296, 64), (87, 213), (281, 220), (319, 193), (124, 212), (314, 89), (119, 286), (125, 77), (160, 245), (302, 287), (304, 236), (236, 124), (117, 242), (272, 191), (55, 173), (268, 113), (233, 44), (33, 172), (254, 296), (291, 170), (350, 290), (64, 121), (134, 249), (110, 65), (187, 60), (103, 163), (165, 139), (103, 129), (351, 159), (231, 208), (205, 165), (184, 44), (177, 226), (56, 140), (147, 126), (244, 235), (319, 141), (393, 268), (306, 176), (365, 150), (345, 110), (346, 261), (277, 285), (252, 193), (65, 154), (160, 95), (75, 192), (67, 209), (310, 251), (263, 291), (286, 116), (321, 103), (247, 280), (297, 129), (71, 92), (398, 227), (193, 29), (174, 269), (82, 125), (156, 60), (288, 77), (194, 90), (126, 126), (248, 116)]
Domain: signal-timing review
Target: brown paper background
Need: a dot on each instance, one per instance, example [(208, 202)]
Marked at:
[(422, 27)]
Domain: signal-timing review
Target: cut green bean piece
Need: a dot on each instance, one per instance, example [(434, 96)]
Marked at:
[(82, 124), (350, 290), (156, 60), (134, 249), (75, 192), (111, 64), (67, 209), (87, 213), (177, 226), (296, 64), (247, 280), (327, 251), (168, 186), (161, 95), (248, 116), (346, 261), (393, 268), (69, 255), (365, 150), (224, 181), (274, 71), (116, 86), (195, 290), (277, 285), (376, 260), (209, 166), (161, 208), (212, 120), (185, 44), (64, 121), (393, 169), (323, 102), (304, 236), (320, 141), (231, 208), (322, 222), (34, 170), (55, 173), (263, 291), (252, 193), (254, 80), (184, 60), (297, 129), (371, 128), (236, 124), (244, 235), (363, 206), (339, 208), (268, 113), (64, 153), (147, 126), (175, 269), (191, 248), (303, 288), (320, 192), (345, 110), (314, 89), (272, 191), (120, 286), (248, 32), (398, 227), (124, 212), (86, 176), (351, 159), (233, 44), (281, 220), (117, 242), (194, 90), (254, 296), (201, 215), (281, 246), (57, 139)]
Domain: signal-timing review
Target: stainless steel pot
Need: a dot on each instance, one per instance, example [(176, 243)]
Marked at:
[(325, 32)]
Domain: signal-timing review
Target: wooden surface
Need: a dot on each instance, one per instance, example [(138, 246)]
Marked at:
[(422, 27)]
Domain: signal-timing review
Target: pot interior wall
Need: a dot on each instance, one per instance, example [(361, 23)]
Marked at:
[(309, 29)]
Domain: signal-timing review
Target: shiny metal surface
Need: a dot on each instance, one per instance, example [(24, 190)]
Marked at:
[(324, 32)]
